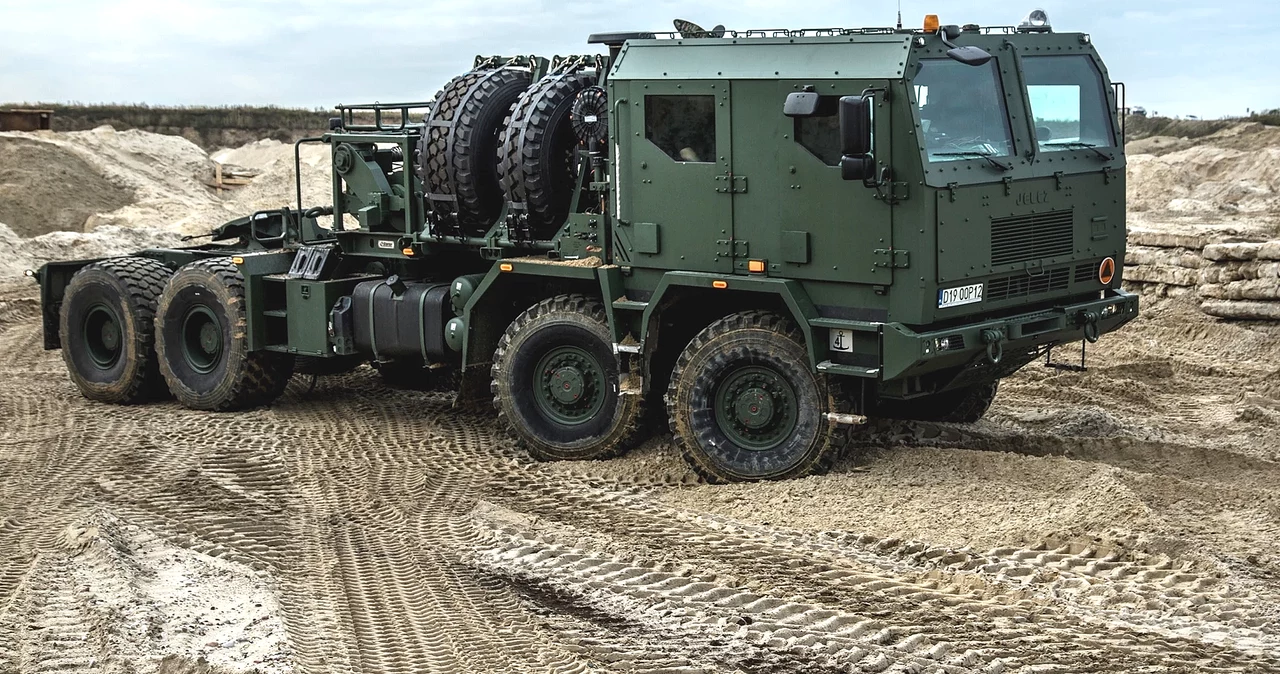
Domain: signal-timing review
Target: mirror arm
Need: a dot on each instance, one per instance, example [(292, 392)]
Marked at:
[(1034, 150)]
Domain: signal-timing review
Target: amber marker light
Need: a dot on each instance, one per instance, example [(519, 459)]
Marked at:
[(755, 266), (506, 266), (408, 252), (720, 285), (1107, 271), (930, 23), (237, 260)]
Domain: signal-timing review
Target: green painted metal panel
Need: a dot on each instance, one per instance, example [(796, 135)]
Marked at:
[(795, 246), (794, 188), (677, 189), (648, 238)]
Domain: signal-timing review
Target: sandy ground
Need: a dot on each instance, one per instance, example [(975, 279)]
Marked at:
[(1124, 519)]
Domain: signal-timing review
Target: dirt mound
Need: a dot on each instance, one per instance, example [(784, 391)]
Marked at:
[(275, 186), (18, 254), (46, 187), (105, 192)]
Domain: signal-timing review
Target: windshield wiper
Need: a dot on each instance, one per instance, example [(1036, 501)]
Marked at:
[(975, 153), (1081, 146)]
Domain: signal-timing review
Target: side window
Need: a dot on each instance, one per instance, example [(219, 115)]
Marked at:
[(820, 133), (684, 127)]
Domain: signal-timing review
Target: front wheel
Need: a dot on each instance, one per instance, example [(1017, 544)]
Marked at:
[(746, 405), (556, 383), (202, 342)]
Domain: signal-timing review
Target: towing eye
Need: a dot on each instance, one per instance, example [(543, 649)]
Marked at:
[(994, 339), (1090, 320)]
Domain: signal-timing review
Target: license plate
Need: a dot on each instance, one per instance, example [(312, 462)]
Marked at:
[(954, 297)]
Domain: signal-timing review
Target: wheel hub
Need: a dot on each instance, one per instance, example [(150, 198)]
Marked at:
[(570, 385), (201, 339), (567, 385), (102, 336), (756, 408)]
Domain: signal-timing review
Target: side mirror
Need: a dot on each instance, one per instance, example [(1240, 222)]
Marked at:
[(855, 125), (861, 167), (970, 56)]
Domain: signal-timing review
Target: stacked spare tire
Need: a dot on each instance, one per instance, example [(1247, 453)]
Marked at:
[(495, 137)]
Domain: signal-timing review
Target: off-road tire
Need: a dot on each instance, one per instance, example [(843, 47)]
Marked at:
[(232, 379), (962, 406), (124, 289), (751, 342), (537, 164), (521, 369), (475, 105)]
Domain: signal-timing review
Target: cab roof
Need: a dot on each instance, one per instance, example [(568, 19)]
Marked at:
[(877, 56)]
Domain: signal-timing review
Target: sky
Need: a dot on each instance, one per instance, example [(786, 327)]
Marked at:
[(1209, 59)]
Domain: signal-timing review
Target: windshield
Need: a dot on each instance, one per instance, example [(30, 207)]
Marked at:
[(962, 111), (1068, 102)]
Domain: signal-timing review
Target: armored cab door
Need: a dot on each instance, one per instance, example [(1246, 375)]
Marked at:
[(800, 216), (675, 185)]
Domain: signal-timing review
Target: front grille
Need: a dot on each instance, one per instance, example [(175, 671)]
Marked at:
[(1022, 238), (1022, 285), (1086, 272)]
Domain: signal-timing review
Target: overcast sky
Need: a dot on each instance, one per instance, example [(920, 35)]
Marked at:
[(1185, 58)]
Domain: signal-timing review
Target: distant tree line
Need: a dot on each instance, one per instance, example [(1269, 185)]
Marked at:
[(209, 127)]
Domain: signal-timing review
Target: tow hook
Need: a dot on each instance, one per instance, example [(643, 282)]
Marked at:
[(1090, 320), (994, 339), (845, 419)]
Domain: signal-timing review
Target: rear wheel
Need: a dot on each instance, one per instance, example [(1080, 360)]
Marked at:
[(556, 383), (746, 405), (202, 342), (105, 327), (965, 405)]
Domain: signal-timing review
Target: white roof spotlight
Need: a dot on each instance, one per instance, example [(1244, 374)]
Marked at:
[(1036, 22)]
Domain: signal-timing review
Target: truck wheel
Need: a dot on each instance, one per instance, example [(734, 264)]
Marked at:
[(556, 383), (105, 326), (963, 406), (202, 342), (536, 157), (746, 405), (459, 156)]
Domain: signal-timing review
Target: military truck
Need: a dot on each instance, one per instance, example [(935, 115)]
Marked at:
[(765, 237)]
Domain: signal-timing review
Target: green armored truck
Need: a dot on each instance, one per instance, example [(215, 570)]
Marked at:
[(763, 236)]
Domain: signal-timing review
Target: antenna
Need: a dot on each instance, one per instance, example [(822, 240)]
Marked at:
[(899, 14)]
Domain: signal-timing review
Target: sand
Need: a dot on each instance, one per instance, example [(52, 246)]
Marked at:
[(1118, 520)]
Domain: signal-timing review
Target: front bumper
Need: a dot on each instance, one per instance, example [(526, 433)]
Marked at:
[(907, 353)]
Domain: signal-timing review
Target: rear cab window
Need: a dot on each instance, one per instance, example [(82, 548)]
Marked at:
[(683, 126)]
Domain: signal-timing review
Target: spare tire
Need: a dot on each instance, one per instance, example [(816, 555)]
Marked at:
[(457, 158), (538, 166)]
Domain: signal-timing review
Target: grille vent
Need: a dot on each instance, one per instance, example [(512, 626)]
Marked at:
[(1086, 272), (1009, 287), (1022, 238)]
